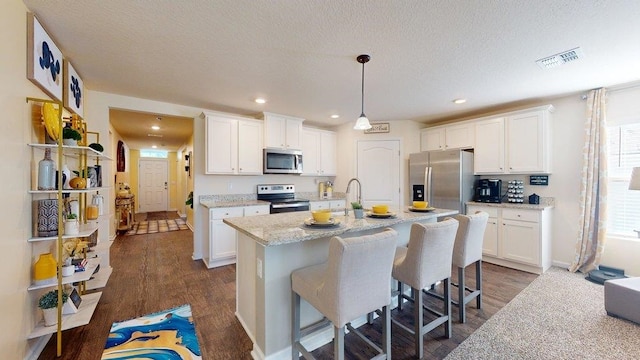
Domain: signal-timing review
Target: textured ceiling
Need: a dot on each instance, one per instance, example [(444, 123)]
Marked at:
[(301, 55)]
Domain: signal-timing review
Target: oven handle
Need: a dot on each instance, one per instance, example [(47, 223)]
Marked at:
[(289, 205)]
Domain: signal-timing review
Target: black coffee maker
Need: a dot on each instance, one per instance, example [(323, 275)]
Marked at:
[(488, 190)]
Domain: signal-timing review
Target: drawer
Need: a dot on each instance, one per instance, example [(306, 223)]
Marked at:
[(522, 215), (256, 210), (492, 211), (223, 213), (317, 205), (337, 204)]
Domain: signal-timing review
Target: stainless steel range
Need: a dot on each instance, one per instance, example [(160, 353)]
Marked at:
[(282, 198)]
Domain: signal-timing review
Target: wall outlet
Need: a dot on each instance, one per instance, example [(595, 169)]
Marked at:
[(259, 268)]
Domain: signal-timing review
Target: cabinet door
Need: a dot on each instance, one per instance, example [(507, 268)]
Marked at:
[(431, 139), (293, 133), (489, 147), (250, 147), (526, 139), (490, 242), (459, 136), (328, 154), (521, 241), (221, 145), (256, 210), (274, 131), (222, 237), (310, 152), (337, 205)]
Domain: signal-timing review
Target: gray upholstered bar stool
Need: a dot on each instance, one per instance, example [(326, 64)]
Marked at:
[(466, 251), (355, 280), (425, 261)]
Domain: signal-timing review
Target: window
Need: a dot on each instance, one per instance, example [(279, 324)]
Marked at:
[(623, 204), (159, 154)]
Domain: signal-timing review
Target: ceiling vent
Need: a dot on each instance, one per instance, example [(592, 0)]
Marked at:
[(155, 135), (561, 58)]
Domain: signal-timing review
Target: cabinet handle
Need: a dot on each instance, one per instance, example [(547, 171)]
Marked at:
[(240, 169)]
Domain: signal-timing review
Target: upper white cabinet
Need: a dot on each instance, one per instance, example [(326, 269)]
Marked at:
[(518, 143), (233, 145), (458, 136), (319, 152), (281, 131)]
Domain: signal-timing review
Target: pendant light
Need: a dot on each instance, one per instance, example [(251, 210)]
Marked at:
[(362, 123)]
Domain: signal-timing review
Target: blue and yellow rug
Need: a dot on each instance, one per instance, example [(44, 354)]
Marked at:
[(165, 335)]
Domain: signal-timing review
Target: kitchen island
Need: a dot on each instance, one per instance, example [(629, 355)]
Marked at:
[(270, 247)]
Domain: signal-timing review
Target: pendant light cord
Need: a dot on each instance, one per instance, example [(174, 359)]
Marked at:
[(362, 91)]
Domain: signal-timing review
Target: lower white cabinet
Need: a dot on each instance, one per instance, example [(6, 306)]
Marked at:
[(333, 205), (517, 238), (221, 248)]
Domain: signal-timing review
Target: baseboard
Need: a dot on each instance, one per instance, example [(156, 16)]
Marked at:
[(38, 346), (560, 264)]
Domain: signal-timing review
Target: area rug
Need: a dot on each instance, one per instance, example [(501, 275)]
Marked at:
[(156, 226), (560, 315), (168, 334)]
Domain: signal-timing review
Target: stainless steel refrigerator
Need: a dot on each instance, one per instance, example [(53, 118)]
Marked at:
[(443, 178)]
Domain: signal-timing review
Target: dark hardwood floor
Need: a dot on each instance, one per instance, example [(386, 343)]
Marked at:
[(155, 272)]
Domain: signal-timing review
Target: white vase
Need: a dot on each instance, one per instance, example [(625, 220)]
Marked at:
[(71, 227), (50, 316), (70, 142)]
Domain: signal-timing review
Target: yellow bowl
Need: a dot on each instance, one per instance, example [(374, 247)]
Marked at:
[(380, 209), (321, 216), (420, 204)]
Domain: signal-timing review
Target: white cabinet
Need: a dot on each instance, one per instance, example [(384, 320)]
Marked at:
[(233, 145), (319, 152), (458, 136), (221, 248), (518, 143), (333, 205), (517, 238), (283, 132), (488, 154)]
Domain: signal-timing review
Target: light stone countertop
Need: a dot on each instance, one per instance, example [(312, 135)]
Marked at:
[(285, 228), (545, 203)]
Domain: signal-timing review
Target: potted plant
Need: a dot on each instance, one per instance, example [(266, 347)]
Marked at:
[(71, 136), (358, 211), (49, 305), (71, 224), (189, 200)]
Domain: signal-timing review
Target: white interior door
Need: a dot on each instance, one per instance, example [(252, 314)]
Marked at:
[(153, 185), (379, 172)]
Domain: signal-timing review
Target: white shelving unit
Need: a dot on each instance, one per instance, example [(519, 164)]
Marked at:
[(82, 317), (90, 268)]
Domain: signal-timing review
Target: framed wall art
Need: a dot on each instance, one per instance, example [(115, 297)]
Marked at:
[(73, 92), (377, 128), (44, 59)]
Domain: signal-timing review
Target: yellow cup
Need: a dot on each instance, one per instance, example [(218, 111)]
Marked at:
[(420, 204), (321, 216), (380, 209), (92, 212)]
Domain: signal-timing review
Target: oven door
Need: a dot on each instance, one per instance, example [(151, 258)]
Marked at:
[(277, 208)]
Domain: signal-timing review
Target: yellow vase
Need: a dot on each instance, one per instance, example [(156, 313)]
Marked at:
[(45, 269)]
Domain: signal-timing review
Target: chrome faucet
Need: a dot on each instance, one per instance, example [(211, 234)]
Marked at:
[(346, 208)]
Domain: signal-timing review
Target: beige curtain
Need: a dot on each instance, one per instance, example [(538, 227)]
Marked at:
[(593, 190)]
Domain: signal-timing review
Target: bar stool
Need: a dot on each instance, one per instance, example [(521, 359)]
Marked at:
[(355, 280), (466, 251), (425, 261)]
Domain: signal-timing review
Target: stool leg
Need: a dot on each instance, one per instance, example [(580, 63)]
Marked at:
[(386, 331), (338, 343), (461, 294), (418, 321), (447, 307), (295, 324), (479, 283), (400, 291)]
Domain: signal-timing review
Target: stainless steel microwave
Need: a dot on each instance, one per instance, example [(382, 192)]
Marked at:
[(282, 161)]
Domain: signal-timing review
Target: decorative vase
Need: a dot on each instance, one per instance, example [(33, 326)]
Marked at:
[(50, 316), (47, 172), (45, 269), (46, 218), (68, 270), (358, 213), (71, 227), (67, 176), (70, 142)]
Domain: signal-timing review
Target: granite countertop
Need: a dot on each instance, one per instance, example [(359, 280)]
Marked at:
[(284, 228), (545, 203)]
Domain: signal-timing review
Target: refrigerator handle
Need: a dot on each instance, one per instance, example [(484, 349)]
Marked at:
[(427, 184)]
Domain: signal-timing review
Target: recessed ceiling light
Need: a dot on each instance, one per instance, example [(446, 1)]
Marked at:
[(260, 100), (459, 101), (155, 127), (154, 147), (335, 116)]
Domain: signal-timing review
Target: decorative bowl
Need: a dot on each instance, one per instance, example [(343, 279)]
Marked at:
[(321, 216), (420, 204), (380, 209)]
